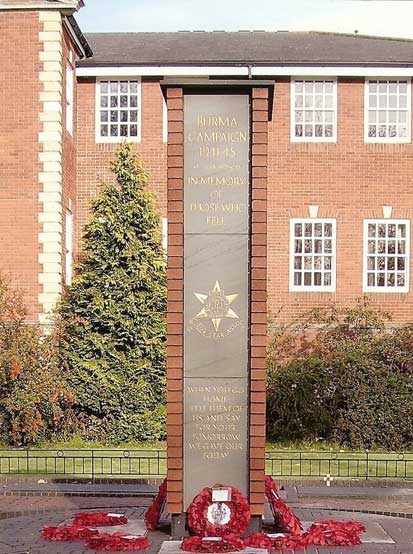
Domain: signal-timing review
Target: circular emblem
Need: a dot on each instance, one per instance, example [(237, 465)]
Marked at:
[(219, 513), (216, 305), (218, 519)]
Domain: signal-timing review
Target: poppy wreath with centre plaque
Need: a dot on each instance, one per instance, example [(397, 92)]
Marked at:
[(236, 514)]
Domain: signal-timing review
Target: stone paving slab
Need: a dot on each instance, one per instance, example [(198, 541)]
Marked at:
[(173, 547), (349, 492), (22, 535)]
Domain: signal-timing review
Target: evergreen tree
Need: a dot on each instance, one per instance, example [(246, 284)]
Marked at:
[(114, 315)]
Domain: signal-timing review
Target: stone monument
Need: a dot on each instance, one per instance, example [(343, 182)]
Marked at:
[(217, 237)]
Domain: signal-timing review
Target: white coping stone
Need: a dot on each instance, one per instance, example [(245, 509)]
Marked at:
[(49, 236), (50, 176), (50, 16), (49, 217), (49, 138), (55, 96), (51, 146), (52, 26), (174, 547), (50, 76), (49, 258), (50, 157), (45, 36), (55, 288), (52, 207), (52, 46), (50, 56), (51, 248), (52, 167), (50, 117)]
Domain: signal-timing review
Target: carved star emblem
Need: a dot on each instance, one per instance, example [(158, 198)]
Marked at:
[(216, 305)]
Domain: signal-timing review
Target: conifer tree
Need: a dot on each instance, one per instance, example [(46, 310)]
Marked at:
[(114, 314)]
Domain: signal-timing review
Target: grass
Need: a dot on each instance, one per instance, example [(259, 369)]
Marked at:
[(297, 460)]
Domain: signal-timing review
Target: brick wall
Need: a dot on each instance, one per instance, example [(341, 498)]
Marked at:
[(93, 160), (19, 152), (349, 181)]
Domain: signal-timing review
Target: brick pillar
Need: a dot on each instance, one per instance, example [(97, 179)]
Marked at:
[(175, 361), (175, 352), (260, 100)]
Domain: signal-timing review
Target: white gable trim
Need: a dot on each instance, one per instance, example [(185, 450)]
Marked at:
[(243, 71)]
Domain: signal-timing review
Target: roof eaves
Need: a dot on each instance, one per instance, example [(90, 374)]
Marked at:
[(87, 50)]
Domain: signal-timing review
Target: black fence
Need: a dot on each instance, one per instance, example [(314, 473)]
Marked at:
[(84, 463), (340, 465), (282, 464)]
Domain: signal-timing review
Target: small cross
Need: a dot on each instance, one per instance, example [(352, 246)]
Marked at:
[(328, 479)]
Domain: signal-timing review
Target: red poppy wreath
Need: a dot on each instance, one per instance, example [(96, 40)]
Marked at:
[(218, 519)]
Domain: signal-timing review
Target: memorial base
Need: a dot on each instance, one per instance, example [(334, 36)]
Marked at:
[(255, 525), (178, 526)]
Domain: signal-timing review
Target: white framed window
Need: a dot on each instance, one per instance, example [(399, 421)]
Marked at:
[(314, 110), (70, 78), (386, 255), (118, 110), (313, 255), (387, 110), (69, 247)]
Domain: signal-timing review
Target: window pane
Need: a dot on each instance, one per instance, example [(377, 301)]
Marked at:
[(318, 100), (119, 97), (316, 242), (384, 258), (391, 99), (298, 229)]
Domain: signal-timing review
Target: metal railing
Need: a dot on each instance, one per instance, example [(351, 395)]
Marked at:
[(340, 465), (84, 463), (281, 464)]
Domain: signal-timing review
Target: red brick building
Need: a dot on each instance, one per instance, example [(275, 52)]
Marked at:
[(340, 148)]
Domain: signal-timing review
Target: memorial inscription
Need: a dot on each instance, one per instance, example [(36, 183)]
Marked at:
[(216, 249)]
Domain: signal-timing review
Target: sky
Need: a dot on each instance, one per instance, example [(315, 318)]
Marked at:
[(372, 17)]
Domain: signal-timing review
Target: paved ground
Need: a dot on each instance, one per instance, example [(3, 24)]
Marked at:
[(24, 516)]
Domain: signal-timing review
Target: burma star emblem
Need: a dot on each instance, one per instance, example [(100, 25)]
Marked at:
[(216, 306)]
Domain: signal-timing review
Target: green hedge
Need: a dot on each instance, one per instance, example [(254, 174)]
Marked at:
[(349, 380)]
